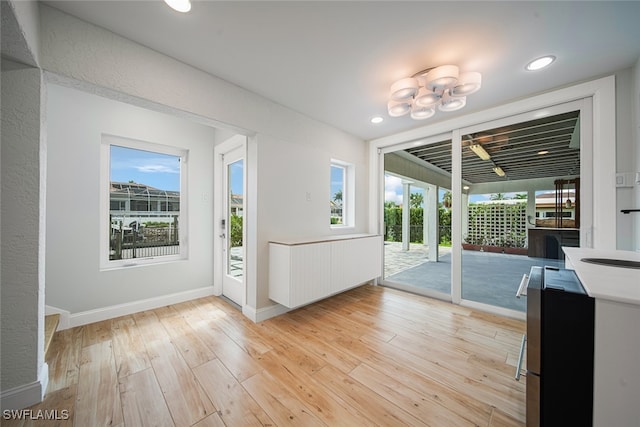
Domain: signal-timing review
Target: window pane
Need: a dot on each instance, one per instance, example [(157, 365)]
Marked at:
[(337, 195), (235, 215), (144, 203)]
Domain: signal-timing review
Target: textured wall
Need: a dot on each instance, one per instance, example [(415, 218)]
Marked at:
[(22, 307), (20, 31)]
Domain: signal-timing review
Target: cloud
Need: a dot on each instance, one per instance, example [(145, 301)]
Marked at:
[(393, 189), (156, 168), (147, 165)]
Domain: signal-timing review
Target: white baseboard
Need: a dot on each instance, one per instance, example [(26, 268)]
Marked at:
[(44, 379), (22, 396), (100, 314), (264, 313), (64, 316)]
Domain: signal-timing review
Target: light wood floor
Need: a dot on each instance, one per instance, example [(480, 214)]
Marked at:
[(370, 356)]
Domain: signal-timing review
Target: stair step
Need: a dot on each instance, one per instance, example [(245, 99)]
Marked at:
[(50, 325)]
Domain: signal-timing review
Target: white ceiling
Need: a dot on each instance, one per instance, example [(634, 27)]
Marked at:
[(335, 60)]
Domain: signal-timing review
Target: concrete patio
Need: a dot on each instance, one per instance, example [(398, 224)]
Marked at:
[(490, 278)]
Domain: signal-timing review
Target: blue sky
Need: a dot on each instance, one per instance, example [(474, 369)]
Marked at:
[(337, 178), (236, 170), (157, 170)]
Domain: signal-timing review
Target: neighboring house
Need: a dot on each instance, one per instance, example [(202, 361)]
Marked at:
[(546, 209), (130, 201), (236, 205), (546, 205)]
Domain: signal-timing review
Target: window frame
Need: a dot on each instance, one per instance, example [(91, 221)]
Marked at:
[(107, 141), (348, 194)]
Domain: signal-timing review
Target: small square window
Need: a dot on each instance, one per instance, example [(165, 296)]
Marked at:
[(342, 197)]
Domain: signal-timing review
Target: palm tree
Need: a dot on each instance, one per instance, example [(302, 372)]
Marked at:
[(498, 196), (338, 197), (520, 196), (415, 200)]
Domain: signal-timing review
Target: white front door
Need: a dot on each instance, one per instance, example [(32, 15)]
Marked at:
[(232, 227)]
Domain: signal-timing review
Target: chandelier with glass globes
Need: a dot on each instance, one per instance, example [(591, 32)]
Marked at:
[(443, 88)]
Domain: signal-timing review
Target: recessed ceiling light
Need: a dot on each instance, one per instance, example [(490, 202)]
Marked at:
[(466, 187), (543, 152), (540, 63), (377, 119), (179, 5)]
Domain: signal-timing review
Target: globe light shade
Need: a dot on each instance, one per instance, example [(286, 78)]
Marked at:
[(426, 98), (442, 77), (398, 108), (421, 113), (404, 89), (450, 103), (468, 83)]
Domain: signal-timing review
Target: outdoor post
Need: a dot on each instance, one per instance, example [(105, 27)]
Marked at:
[(175, 230), (432, 219), (531, 209), (464, 212), (406, 206), (425, 216), (134, 232), (119, 241)]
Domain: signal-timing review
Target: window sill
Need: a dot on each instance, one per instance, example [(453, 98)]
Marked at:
[(342, 227)]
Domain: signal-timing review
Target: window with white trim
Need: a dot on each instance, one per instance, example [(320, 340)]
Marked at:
[(143, 202), (342, 194)]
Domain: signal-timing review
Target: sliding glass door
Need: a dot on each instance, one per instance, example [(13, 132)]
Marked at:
[(417, 217), (467, 214), (520, 203)]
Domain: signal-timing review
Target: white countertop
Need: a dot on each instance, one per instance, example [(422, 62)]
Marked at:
[(309, 240), (600, 281)]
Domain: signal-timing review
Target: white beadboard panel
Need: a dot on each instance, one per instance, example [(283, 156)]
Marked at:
[(310, 272), (280, 274), (355, 261), (301, 273)]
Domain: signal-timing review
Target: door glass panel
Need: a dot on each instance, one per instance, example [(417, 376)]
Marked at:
[(520, 204), (417, 219), (235, 192)]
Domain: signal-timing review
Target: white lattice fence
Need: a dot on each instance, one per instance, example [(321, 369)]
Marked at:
[(497, 224)]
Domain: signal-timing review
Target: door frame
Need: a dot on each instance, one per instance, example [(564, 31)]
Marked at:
[(220, 193)]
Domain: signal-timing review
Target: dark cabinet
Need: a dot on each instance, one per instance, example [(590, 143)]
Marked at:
[(560, 349), (548, 242)]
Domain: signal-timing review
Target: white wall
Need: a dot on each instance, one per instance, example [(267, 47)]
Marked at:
[(626, 152), (287, 172), (74, 281), (22, 233), (636, 139)]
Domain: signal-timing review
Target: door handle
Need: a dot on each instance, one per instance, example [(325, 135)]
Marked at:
[(222, 236)]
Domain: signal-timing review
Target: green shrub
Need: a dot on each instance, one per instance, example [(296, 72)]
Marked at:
[(236, 231)]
